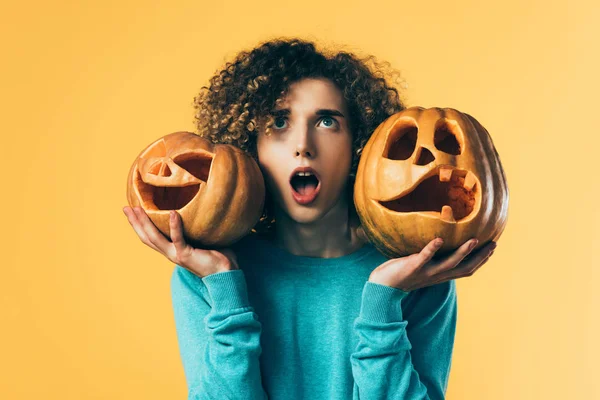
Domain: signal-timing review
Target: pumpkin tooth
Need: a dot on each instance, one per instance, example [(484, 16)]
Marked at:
[(469, 181), (447, 214), (445, 174)]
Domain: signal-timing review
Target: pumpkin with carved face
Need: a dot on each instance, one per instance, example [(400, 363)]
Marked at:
[(427, 173), (217, 189)]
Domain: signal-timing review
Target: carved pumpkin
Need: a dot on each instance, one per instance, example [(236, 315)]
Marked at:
[(218, 189), (427, 173)]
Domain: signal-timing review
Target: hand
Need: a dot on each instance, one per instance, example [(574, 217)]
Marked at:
[(420, 270), (201, 262)]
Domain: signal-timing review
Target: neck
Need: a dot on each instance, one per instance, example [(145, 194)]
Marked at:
[(333, 235)]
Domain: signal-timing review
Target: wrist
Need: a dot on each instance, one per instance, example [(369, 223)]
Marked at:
[(380, 280), (225, 264), (226, 268), (387, 275), (382, 303), (227, 291)]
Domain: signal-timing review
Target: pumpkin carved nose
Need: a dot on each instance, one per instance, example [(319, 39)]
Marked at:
[(425, 156), (161, 168)]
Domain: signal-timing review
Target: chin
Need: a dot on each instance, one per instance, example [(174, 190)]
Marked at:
[(310, 213), (304, 215)]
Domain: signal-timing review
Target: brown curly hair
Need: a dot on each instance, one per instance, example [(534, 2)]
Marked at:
[(237, 103)]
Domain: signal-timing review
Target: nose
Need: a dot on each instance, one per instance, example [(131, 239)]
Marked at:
[(304, 145), (305, 152)]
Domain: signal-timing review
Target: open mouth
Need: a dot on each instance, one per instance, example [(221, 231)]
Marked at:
[(305, 187), (450, 193), (304, 184)]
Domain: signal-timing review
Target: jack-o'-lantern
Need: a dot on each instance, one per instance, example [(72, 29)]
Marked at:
[(427, 173), (217, 189)]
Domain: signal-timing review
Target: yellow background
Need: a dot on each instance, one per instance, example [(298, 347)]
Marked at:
[(86, 308)]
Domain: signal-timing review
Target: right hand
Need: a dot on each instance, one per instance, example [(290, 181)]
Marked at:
[(201, 262)]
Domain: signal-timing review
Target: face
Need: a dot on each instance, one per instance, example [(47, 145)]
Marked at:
[(310, 130)]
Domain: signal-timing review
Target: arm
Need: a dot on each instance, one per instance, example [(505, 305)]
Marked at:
[(404, 357), (218, 334)]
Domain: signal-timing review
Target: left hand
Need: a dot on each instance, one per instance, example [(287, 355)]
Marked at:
[(419, 270)]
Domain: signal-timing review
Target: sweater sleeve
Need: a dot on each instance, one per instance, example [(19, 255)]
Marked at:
[(404, 357), (218, 334)]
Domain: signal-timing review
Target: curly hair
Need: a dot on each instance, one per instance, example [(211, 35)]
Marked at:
[(237, 103)]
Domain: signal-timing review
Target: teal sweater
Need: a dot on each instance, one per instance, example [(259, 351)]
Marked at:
[(287, 327)]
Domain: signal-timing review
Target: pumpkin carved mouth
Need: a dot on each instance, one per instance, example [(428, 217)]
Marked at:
[(172, 184), (446, 192)]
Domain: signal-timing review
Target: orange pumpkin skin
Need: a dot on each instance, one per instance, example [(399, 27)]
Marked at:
[(217, 189), (427, 173)]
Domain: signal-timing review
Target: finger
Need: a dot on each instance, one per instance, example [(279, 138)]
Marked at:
[(132, 217), (158, 241), (429, 250), (468, 268), (464, 272), (480, 258), (453, 259), (176, 233)]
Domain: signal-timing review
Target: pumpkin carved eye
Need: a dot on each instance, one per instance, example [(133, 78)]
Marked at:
[(445, 137), (401, 143), (196, 164)]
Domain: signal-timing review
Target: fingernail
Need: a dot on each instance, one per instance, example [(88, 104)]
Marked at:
[(473, 244)]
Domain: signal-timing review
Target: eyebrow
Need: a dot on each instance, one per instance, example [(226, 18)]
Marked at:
[(321, 111)]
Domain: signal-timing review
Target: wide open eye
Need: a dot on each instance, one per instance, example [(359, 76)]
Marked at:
[(277, 120), (333, 122)]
